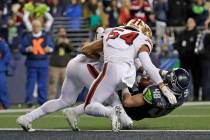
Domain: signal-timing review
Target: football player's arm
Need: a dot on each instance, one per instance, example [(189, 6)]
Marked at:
[(132, 101), (140, 68), (93, 49), (153, 72), (148, 66)]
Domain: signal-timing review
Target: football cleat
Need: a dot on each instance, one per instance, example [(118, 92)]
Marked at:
[(116, 119), (25, 123), (71, 118), (125, 120)]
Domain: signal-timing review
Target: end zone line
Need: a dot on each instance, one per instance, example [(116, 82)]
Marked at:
[(146, 130), (28, 110), (167, 116), (196, 103)]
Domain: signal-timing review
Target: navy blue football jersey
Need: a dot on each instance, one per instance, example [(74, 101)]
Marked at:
[(156, 104)]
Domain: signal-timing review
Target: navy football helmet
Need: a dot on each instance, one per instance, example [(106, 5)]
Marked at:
[(177, 80)]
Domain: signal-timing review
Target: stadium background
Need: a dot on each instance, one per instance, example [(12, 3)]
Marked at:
[(167, 18)]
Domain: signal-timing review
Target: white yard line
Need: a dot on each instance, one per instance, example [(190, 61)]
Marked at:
[(15, 110), (28, 110), (196, 103), (62, 116), (59, 130), (186, 116)]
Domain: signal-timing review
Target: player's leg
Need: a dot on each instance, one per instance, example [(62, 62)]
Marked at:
[(125, 120), (88, 72), (77, 75), (73, 114), (101, 89), (69, 93)]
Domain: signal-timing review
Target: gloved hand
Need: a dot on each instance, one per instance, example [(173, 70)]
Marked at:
[(169, 94)]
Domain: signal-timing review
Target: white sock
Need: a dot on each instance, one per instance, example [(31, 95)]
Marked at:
[(35, 114), (46, 108), (79, 110), (99, 110)]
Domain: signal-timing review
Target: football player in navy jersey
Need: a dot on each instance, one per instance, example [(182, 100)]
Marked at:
[(151, 102)]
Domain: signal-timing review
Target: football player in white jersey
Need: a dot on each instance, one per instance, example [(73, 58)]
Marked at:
[(121, 46), (144, 100), (80, 73)]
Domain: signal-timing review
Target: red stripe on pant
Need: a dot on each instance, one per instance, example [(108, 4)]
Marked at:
[(95, 85), (92, 71)]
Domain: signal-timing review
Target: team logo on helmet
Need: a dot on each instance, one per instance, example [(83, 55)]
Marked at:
[(140, 26), (178, 80)]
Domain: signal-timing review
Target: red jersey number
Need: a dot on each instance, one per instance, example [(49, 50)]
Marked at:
[(128, 38)]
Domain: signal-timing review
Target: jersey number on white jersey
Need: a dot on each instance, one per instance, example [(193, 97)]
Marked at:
[(127, 37)]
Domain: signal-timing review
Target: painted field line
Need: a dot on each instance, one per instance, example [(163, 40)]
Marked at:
[(196, 103), (62, 116), (15, 110), (28, 110), (149, 130)]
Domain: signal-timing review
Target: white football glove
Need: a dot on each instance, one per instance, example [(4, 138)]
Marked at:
[(169, 94)]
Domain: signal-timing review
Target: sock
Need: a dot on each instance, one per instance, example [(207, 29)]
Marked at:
[(97, 109), (46, 108), (79, 110), (35, 114)]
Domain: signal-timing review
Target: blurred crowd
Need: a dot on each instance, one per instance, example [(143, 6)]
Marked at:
[(25, 28)]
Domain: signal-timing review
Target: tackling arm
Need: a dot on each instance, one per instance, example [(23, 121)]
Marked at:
[(93, 49), (148, 65), (141, 70), (154, 73)]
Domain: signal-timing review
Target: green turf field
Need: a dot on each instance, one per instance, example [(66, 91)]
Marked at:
[(185, 117)]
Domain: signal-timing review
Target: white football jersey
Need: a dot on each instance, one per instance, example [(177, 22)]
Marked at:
[(122, 45)]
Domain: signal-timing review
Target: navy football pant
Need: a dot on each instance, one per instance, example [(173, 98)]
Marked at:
[(39, 76), (4, 100)]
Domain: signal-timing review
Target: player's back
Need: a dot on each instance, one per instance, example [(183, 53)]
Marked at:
[(122, 45)]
